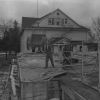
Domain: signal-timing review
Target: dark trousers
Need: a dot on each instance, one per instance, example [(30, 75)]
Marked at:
[(49, 57)]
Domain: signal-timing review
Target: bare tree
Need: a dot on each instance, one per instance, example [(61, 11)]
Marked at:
[(96, 28), (96, 31)]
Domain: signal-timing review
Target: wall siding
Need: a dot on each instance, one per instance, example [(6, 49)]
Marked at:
[(75, 36)]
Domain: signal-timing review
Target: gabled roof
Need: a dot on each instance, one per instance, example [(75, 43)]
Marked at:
[(71, 19), (62, 13), (28, 22)]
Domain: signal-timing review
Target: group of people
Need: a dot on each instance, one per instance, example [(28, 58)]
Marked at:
[(49, 55), (67, 55)]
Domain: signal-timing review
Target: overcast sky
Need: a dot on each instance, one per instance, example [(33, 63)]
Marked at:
[(82, 11)]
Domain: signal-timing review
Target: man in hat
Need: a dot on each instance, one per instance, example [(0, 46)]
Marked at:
[(49, 55)]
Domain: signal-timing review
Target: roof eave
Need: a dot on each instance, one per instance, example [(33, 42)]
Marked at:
[(58, 28)]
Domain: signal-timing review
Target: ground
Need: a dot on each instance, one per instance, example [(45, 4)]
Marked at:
[(74, 73), (72, 79)]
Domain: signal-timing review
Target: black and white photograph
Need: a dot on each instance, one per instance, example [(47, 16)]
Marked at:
[(49, 50)]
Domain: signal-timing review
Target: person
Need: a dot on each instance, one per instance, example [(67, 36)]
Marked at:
[(49, 56), (66, 55), (80, 48)]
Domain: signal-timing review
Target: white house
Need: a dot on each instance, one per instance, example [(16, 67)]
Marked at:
[(53, 25)]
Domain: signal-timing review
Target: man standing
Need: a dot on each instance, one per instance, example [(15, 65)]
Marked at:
[(49, 56)]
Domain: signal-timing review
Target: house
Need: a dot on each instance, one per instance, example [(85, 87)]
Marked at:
[(56, 24)]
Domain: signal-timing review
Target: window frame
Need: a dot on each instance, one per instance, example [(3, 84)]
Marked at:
[(50, 21), (65, 21)]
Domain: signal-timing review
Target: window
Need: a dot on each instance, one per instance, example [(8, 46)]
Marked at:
[(65, 21), (51, 21), (58, 13), (62, 21), (57, 23)]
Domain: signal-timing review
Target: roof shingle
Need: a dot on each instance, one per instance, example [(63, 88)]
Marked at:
[(27, 22)]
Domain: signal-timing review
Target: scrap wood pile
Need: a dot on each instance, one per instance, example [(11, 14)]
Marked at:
[(4, 85), (52, 72)]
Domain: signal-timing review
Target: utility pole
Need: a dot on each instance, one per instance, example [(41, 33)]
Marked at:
[(82, 73), (37, 9)]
